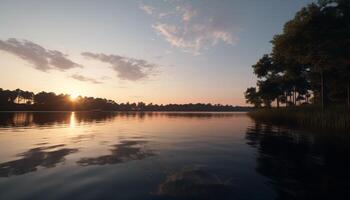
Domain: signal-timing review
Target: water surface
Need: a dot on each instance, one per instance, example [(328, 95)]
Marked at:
[(107, 155)]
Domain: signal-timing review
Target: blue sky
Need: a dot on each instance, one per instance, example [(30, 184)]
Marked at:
[(164, 51)]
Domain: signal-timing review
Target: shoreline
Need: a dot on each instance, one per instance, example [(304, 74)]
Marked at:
[(336, 118)]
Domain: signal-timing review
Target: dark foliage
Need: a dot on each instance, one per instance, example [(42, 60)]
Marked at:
[(19, 100), (310, 60)]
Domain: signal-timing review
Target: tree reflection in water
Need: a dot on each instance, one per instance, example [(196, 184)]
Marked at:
[(48, 119), (28, 119), (127, 150), (302, 166), (34, 158)]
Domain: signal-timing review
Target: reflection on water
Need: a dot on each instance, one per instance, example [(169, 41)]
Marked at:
[(130, 155), (195, 184), (123, 152), (34, 158), (302, 166), (24, 119), (72, 121)]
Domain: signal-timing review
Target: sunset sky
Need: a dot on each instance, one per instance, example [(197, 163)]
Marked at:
[(161, 51)]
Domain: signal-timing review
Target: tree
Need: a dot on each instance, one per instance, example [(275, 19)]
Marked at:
[(253, 97), (318, 38), (269, 74)]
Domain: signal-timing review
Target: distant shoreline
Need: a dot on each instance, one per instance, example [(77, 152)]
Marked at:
[(194, 111), (20, 100)]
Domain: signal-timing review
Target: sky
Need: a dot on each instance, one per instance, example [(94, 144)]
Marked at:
[(160, 51)]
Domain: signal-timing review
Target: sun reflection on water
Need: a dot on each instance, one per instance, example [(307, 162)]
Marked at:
[(72, 121)]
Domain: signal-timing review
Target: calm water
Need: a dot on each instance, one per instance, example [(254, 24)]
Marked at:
[(85, 155)]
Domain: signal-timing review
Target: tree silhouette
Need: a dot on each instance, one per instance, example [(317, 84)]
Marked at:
[(49, 101), (310, 55), (253, 97)]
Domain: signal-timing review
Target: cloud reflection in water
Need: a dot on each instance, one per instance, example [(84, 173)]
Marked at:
[(126, 151), (33, 159)]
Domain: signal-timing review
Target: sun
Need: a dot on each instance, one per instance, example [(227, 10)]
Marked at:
[(73, 97)]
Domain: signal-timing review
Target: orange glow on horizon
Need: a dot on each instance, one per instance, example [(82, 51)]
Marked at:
[(73, 97)]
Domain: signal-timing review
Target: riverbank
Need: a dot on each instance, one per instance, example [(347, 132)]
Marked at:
[(312, 117)]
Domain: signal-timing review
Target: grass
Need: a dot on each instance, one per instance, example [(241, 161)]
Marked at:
[(305, 116)]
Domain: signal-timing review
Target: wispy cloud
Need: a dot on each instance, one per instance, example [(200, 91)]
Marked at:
[(165, 14), (194, 38), (147, 8), (127, 68), (85, 79), (191, 30), (41, 58), (186, 12)]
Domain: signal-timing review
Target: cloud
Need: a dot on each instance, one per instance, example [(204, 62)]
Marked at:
[(85, 79), (131, 69), (165, 14), (186, 12), (191, 30), (194, 38), (42, 59), (147, 8)]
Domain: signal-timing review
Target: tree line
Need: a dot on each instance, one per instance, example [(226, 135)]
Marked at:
[(47, 101), (310, 60)]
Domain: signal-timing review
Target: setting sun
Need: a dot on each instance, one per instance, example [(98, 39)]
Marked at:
[(73, 97)]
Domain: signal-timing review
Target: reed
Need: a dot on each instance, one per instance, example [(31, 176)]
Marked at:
[(305, 116)]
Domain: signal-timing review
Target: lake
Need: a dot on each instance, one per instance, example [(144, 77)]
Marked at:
[(174, 155)]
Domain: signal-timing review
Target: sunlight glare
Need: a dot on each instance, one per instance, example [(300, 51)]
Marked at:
[(73, 97), (72, 121)]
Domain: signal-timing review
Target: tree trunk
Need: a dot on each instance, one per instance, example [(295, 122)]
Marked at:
[(348, 94), (322, 91), (278, 102), (294, 97), (286, 98), (297, 101)]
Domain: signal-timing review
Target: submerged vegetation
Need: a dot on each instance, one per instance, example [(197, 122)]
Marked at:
[(308, 70)]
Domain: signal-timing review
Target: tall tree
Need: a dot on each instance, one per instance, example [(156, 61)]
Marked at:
[(318, 38), (253, 97), (269, 80)]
